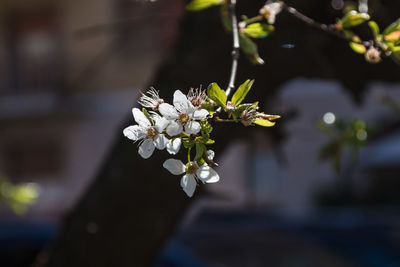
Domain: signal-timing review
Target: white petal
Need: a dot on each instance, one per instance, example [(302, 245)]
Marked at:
[(193, 127), (181, 102), (207, 174), (134, 132), (210, 154), (173, 146), (174, 128), (146, 148), (140, 118), (174, 166), (188, 183), (161, 141), (200, 114), (168, 111), (160, 123)]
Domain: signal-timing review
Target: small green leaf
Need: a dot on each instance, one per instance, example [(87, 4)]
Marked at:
[(200, 150), (396, 50), (250, 49), (264, 123), (210, 142), (258, 30), (374, 27), (395, 26), (353, 18), (215, 93), (226, 19), (241, 92), (196, 5), (358, 48)]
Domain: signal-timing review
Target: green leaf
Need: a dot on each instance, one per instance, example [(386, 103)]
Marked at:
[(215, 93), (358, 48), (241, 92), (147, 115), (395, 26), (210, 142), (374, 27), (353, 18), (396, 50), (200, 150), (258, 30), (250, 49), (196, 5), (264, 123), (226, 19)]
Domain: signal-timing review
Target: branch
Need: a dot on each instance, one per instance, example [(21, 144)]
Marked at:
[(236, 47), (309, 21), (331, 29)]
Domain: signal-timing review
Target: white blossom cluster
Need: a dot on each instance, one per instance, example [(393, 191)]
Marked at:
[(165, 126)]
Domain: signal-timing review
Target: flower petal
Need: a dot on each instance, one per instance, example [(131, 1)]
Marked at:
[(160, 123), (200, 114), (174, 166), (181, 102), (140, 118), (210, 154), (193, 127), (134, 132), (161, 141), (173, 146), (168, 111), (174, 128), (146, 148), (207, 174), (188, 183)]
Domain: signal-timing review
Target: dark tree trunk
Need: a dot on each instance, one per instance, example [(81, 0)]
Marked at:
[(133, 204)]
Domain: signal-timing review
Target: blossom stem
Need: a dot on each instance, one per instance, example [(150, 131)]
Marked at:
[(189, 149), (254, 19), (222, 120)]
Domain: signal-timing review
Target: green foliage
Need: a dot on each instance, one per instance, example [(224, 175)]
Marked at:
[(258, 30), (215, 93), (241, 92), (250, 49), (353, 18), (358, 48), (200, 150), (342, 135), (196, 5), (18, 197), (374, 27), (264, 123), (395, 26)]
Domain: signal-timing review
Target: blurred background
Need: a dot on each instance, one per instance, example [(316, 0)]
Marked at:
[(319, 189)]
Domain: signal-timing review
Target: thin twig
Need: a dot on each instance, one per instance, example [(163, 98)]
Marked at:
[(309, 21), (236, 47)]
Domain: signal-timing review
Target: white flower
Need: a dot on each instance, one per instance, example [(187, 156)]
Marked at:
[(149, 134), (197, 97), (204, 173), (151, 100), (182, 114), (174, 145), (270, 10)]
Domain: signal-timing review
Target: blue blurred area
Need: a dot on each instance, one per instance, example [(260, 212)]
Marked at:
[(324, 237), (21, 241)]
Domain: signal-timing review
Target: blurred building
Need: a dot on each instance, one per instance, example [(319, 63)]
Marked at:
[(70, 73)]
